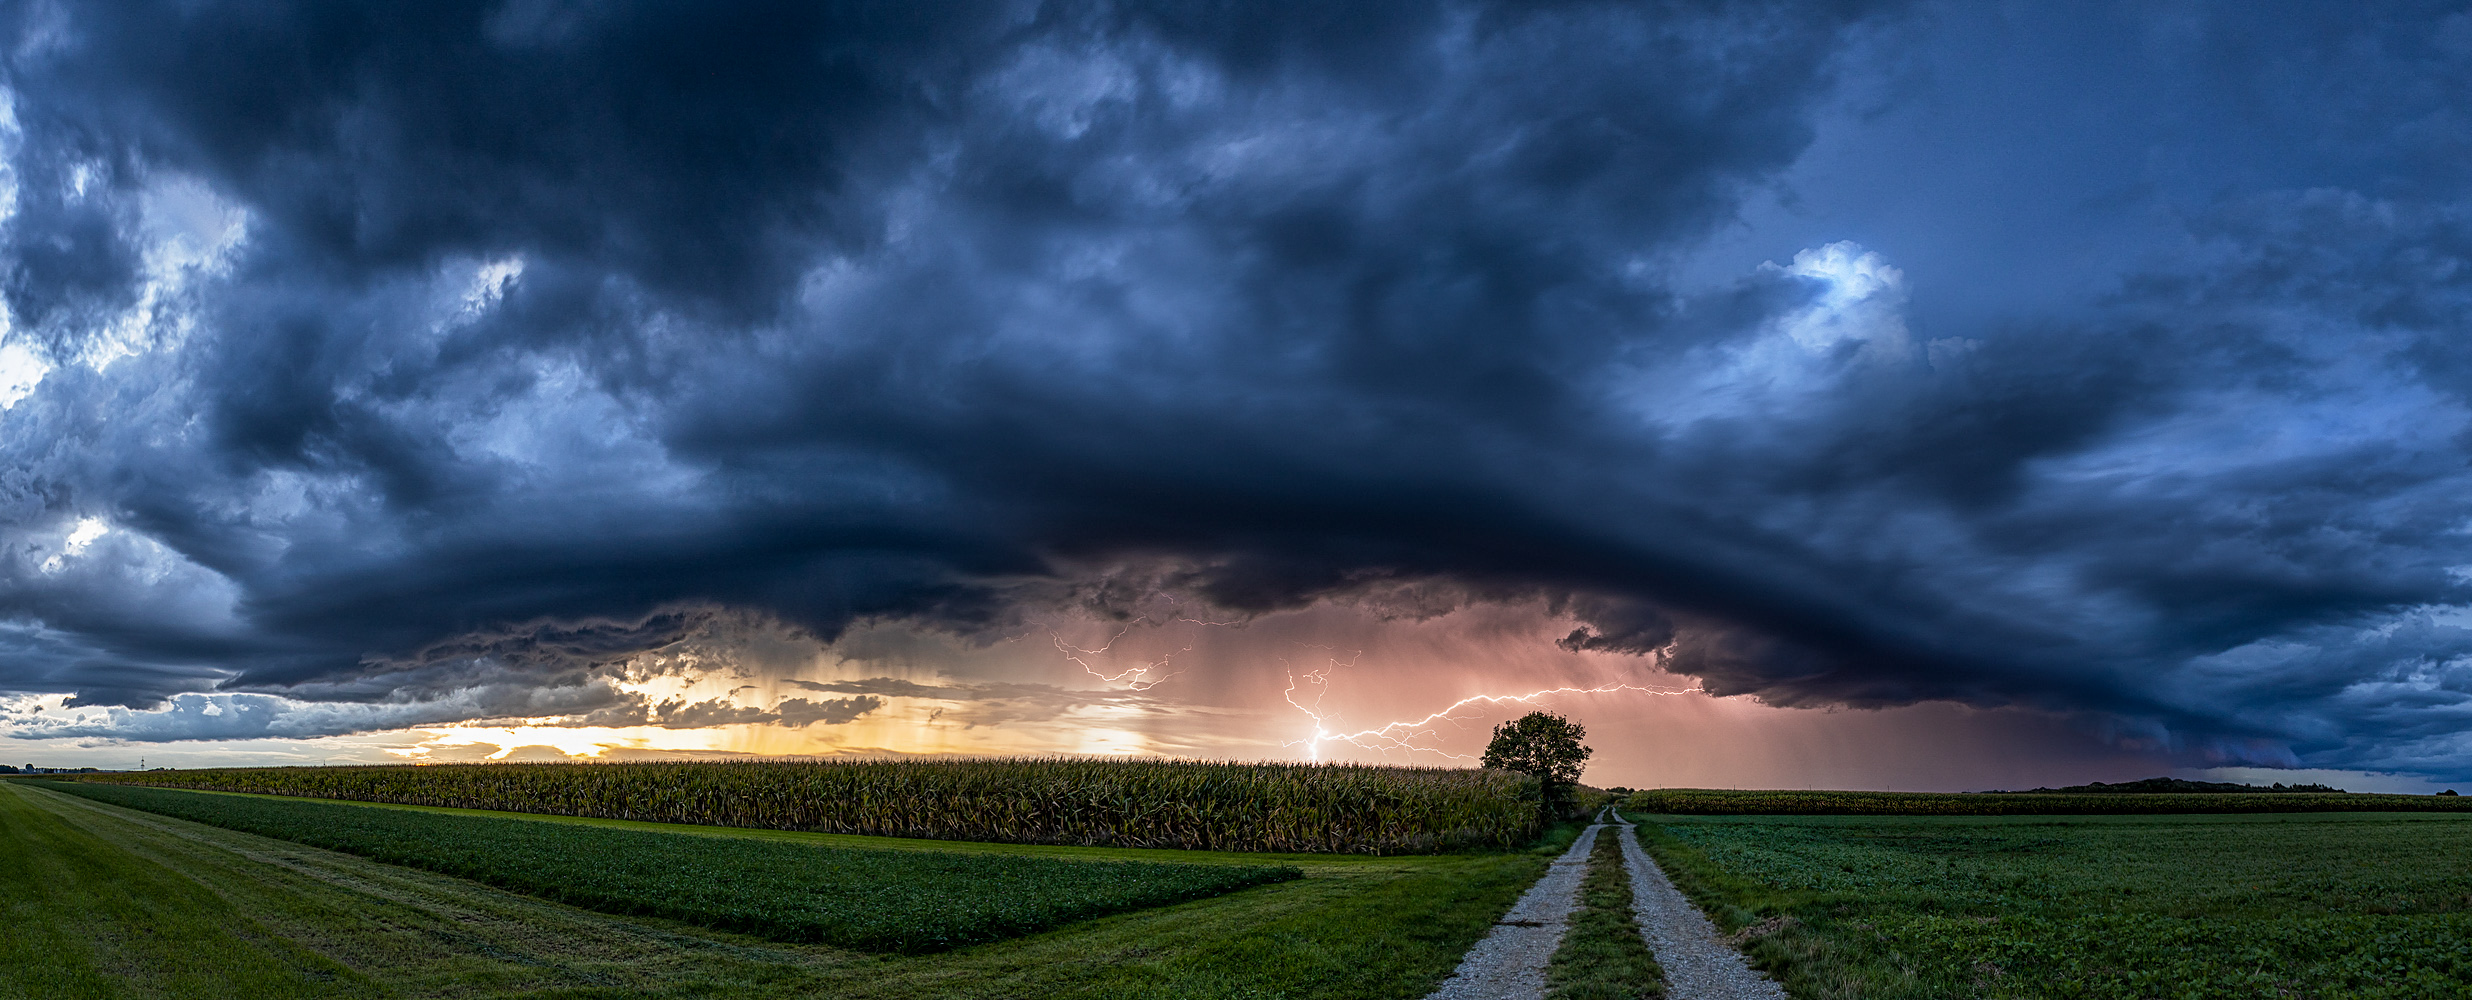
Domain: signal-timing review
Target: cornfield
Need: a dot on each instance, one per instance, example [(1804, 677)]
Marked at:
[(1719, 802), (1300, 808)]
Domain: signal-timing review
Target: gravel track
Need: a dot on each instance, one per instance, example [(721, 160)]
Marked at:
[(1509, 964), (1698, 964)]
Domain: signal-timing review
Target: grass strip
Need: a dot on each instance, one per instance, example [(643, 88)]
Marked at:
[(1603, 956), (880, 901)]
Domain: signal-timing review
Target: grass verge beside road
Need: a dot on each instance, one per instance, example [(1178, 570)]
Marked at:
[(196, 902), (870, 900), (2354, 905)]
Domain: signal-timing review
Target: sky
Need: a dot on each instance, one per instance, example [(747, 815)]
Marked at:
[(1907, 395)]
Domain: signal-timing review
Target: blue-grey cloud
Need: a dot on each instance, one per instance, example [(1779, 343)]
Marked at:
[(391, 354)]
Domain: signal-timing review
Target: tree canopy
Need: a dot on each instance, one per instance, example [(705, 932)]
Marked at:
[(1544, 745)]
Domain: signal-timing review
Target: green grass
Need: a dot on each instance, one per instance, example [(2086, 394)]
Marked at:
[(107, 901), (78, 922), (871, 900), (1602, 956), (2353, 905)]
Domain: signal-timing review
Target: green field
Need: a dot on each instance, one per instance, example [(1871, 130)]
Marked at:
[(1189, 805), (870, 900), (105, 901), (2352, 905)]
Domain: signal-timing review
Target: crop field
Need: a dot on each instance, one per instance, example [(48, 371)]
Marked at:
[(2353, 905), (1725, 802), (104, 901), (869, 900), (1304, 808)]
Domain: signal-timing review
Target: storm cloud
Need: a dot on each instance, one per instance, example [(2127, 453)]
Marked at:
[(424, 364)]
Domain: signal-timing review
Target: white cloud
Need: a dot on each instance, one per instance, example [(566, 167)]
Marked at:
[(20, 371), (190, 234), (1853, 320), (88, 529), (74, 544), (490, 282), (1864, 302)]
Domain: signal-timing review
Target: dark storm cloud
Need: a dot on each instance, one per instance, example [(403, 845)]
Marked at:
[(831, 712), (403, 354), (256, 716), (678, 713), (986, 704)]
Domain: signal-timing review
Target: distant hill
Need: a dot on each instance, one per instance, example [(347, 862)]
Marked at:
[(2172, 785)]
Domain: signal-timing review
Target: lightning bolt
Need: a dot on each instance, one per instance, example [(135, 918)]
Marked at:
[(1134, 678), (1404, 736), (1320, 680), (1415, 735)]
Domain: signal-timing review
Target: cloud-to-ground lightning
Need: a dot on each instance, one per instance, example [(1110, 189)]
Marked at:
[(1404, 734)]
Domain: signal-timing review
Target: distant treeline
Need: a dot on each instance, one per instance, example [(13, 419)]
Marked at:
[(1305, 808), (2155, 786), (1722, 802)]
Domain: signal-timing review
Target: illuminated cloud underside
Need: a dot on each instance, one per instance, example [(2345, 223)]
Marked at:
[(1898, 395)]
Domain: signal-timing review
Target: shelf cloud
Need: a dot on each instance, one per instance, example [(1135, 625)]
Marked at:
[(376, 367)]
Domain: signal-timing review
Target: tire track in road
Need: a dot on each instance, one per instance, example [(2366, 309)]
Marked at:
[(1509, 964), (1698, 964)]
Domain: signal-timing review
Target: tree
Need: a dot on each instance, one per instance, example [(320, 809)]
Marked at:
[(1547, 746)]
